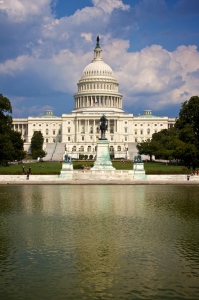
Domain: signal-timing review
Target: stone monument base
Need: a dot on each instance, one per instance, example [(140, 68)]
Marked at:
[(66, 171), (138, 171), (103, 161)]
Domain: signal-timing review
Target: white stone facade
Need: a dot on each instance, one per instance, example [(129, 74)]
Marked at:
[(79, 131)]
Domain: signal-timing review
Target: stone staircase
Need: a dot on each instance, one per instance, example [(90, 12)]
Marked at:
[(50, 148), (58, 152)]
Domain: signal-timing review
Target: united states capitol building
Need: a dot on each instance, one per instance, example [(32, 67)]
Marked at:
[(78, 132)]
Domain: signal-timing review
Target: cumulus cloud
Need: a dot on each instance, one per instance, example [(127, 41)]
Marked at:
[(21, 10), (42, 57), (109, 5)]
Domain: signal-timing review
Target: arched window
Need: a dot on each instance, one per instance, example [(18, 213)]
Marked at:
[(81, 149), (89, 149), (118, 148)]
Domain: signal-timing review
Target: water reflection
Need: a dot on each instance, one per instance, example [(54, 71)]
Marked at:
[(119, 242)]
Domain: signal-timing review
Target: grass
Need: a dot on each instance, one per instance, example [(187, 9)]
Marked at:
[(50, 168)]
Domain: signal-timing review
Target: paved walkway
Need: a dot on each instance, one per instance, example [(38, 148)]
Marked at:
[(56, 180)]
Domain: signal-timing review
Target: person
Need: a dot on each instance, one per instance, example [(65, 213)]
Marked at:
[(27, 175), (188, 176), (29, 170)]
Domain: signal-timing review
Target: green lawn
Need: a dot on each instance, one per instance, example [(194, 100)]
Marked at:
[(50, 168)]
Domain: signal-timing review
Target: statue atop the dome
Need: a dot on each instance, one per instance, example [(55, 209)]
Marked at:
[(103, 126), (98, 39)]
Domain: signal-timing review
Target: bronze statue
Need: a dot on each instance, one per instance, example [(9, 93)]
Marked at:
[(103, 126), (137, 159), (67, 159)]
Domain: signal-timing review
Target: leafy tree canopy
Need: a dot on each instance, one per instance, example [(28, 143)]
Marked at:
[(37, 145), (11, 143), (180, 142)]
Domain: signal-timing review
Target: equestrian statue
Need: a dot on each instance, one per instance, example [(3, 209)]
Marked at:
[(103, 127)]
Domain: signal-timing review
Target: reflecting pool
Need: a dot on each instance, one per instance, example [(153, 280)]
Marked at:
[(99, 242)]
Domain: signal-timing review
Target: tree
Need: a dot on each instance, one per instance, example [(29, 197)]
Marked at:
[(188, 130), (37, 145), (180, 142), (5, 115), (11, 144), (162, 145), (146, 148)]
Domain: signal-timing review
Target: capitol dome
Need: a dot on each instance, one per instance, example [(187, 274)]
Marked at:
[(97, 68), (98, 88)]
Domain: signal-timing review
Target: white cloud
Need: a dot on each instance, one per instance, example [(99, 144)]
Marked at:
[(155, 74), (109, 5), (21, 10), (87, 36)]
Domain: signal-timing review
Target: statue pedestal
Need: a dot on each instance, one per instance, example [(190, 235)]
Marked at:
[(138, 171), (103, 161), (67, 170)]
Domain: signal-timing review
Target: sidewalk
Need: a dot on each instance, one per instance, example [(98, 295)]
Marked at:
[(56, 180)]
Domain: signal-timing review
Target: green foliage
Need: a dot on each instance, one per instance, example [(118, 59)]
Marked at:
[(11, 143), (37, 141), (17, 143), (5, 117), (49, 168), (37, 145), (188, 131), (38, 153), (180, 142)]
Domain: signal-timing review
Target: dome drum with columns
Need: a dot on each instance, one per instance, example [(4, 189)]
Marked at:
[(98, 86), (78, 132)]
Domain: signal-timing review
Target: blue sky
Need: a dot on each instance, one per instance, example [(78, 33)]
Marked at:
[(151, 45)]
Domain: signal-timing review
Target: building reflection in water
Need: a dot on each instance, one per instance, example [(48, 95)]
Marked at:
[(96, 236)]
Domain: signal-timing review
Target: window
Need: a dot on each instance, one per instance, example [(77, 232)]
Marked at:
[(125, 122), (59, 131), (141, 131), (91, 137), (33, 124), (89, 149), (46, 131), (46, 124), (81, 149), (91, 129), (155, 124), (161, 124), (53, 140), (148, 131), (68, 129), (46, 140), (118, 148), (68, 122), (53, 131), (136, 140), (141, 124), (126, 129), (136, 132), (83, 129), (111, 149), (74, 148), (39, 124), (68, 138), (135, 124), (125, 138), (111, 137), (82, 138)]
